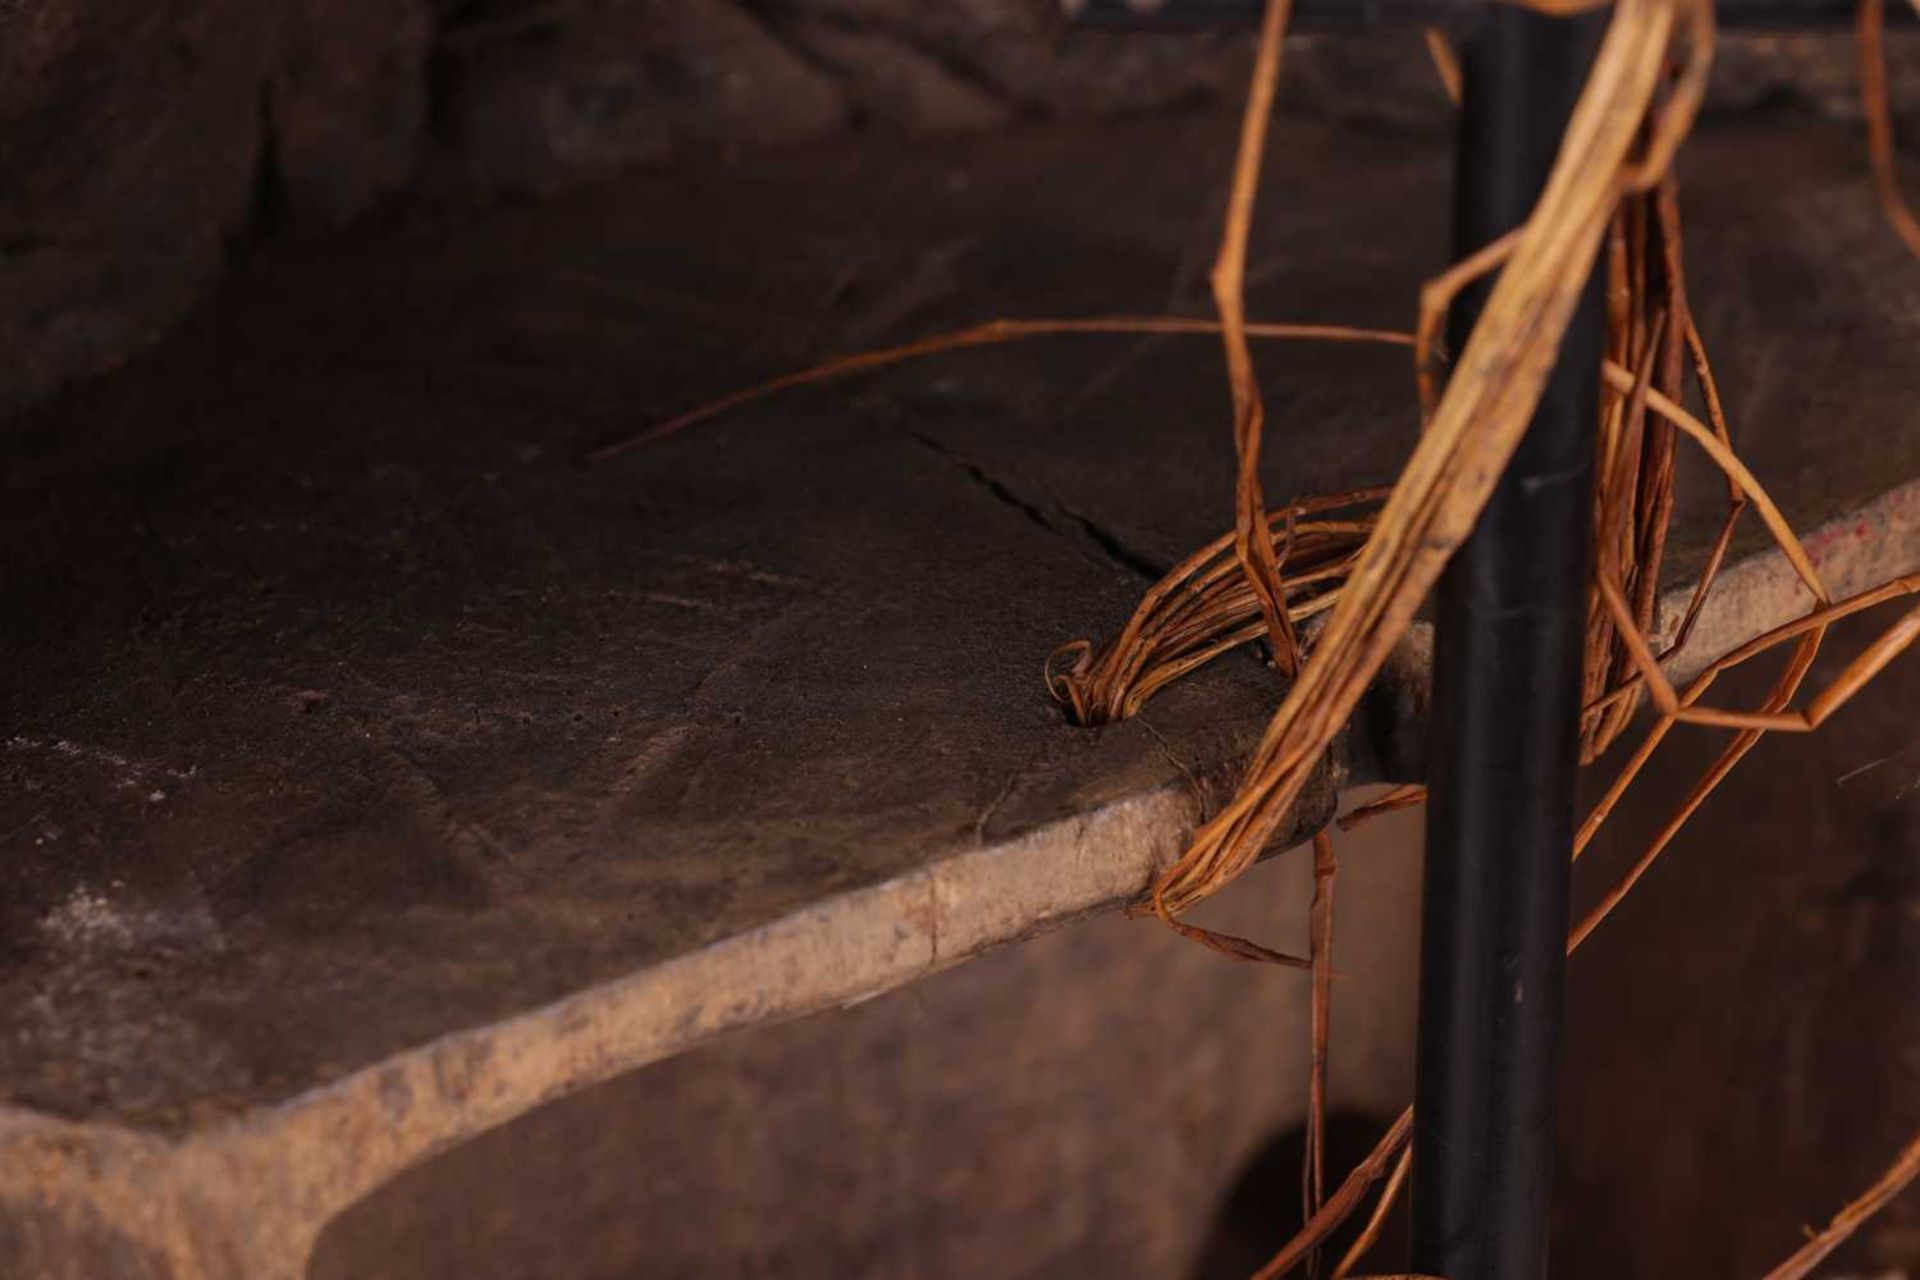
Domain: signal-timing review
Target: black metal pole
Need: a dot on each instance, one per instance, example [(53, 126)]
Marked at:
[(1503, 748)]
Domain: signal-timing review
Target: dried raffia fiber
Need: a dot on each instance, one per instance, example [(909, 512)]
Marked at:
[(1390, 1148), (1361, 562), (1627, 454), (1823, 1242), (1871, 46), (1326, 867), (1473, 430), (1251, 543), (1204, 607)]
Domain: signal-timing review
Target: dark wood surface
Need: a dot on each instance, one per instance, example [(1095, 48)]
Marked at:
[(348, 706)]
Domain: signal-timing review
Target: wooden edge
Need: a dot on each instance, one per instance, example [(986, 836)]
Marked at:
[(1853, 551), (249, 1196), (277, 1176)]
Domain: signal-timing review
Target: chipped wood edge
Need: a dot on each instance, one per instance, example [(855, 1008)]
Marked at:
[(248, 1196), (1853, 552)]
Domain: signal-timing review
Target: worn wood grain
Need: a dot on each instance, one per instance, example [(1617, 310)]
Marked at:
[(375, 769)]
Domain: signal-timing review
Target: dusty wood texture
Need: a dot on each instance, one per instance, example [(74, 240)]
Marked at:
[(1772, 957), (377, 771), (997, 1119)]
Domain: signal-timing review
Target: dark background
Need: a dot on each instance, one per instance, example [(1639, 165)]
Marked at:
[(143, 143)]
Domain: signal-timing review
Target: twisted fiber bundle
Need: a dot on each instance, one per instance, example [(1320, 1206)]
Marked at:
[(1473, 430), (1362, 562), (1471, 433)]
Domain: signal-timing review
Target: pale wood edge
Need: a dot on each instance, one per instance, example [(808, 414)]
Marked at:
[(249, 1195)]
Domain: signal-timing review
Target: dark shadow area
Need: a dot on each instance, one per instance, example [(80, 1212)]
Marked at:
[(1264, 1208), (1742, 1050)]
